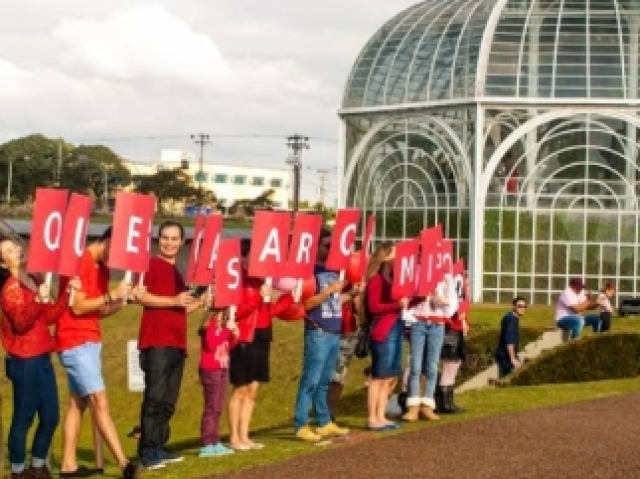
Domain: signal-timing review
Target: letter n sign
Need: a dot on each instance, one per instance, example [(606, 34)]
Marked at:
[(46, 230)]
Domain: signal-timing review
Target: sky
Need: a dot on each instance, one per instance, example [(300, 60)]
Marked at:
[(142, 76)]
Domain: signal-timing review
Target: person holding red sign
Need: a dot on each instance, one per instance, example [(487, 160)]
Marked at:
[(453, 348), (162, 342), (26, 317), (79, 344), (323, 327), (386, 335), (426, 337), (249, 355)]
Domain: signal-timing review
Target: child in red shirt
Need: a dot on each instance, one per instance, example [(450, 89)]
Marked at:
[(215, 336)]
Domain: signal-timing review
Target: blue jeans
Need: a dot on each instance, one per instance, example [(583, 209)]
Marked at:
[(594, 322), (574, 323), (320, 358), (426, 344), (34, 392)]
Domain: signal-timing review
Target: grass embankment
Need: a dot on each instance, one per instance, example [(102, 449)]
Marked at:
[(274, 410)]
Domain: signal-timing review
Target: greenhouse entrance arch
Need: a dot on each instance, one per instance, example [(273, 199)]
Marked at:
[(514, 123)]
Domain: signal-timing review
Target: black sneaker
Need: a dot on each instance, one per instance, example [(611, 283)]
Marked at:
[(167, 457), (131, 470), (151, 460)]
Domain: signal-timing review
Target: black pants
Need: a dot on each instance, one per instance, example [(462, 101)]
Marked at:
[(605, 321), (163, 368)]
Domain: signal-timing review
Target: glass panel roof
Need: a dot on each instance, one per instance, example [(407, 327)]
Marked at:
[(539, 49)]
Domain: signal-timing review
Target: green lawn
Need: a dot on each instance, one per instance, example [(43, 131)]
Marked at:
[(275, 401)]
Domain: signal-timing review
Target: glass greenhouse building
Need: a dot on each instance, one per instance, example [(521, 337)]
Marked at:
[(514, 123)]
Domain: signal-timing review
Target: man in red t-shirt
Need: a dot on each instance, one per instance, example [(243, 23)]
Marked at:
[(163, 344), (79, 344)]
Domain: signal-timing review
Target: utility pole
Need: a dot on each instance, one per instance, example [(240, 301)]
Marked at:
[(201, 139), (297, 143), (59, 165), (321, 189)]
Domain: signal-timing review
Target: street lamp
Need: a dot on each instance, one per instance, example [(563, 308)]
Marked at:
[(10, 176)]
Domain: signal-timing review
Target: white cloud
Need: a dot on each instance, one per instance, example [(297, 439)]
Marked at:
[(141, 42)]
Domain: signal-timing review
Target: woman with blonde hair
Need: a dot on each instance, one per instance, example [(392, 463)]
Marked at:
[(386, 335)]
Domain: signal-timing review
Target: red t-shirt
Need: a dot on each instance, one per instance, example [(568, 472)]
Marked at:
[(214, 350), (73, 330), (163, 327)]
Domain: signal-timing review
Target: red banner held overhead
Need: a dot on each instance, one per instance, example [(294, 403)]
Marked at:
[(228, 272), (131, 237), (269, 241), (405, 269), (304, 246), (46, 230), (194, 251), (74, 233), (205, 268), (430, 269), (343, 239)]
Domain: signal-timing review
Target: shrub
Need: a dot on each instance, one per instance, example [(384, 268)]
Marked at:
[(481, 347), (591, 358)]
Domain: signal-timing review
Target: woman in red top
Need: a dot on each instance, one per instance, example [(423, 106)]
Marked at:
[(249, 355), (26, 317), (386, 335)]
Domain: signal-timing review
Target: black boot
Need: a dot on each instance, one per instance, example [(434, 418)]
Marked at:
[(440, 399), (450, 405)]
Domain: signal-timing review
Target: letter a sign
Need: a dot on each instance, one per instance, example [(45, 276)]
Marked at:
[(46, 231), (269, 243)]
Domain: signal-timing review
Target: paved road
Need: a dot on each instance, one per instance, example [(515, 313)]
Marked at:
[(596, 439)]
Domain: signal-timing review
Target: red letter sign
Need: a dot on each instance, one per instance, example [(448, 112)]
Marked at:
[(269, 244), (366, 244), (304, 246), (131, 238), (194, 252), (205, 266), (46, 230), (344, 236), (228, 289), (74, 233), (429, 278), (405, 268), (463, 294)]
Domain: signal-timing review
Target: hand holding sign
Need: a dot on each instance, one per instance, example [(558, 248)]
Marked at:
[(228, 277)]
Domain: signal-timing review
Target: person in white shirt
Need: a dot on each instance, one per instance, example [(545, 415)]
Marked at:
[(571, 305)]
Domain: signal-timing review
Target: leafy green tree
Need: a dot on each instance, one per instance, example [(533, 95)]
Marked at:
[(85, 168), (173, 184), (263, 201)]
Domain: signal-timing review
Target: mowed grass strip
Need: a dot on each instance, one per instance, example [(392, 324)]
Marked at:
[(274, 410)]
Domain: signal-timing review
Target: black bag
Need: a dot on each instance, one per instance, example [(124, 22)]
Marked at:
[(362, 345)]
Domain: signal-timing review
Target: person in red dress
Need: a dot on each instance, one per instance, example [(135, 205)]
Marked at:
[(27, 314)]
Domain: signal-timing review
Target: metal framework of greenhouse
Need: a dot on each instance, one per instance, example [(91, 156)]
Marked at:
[(514, 123)]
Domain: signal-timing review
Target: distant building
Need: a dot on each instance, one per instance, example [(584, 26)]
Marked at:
[(229, 182)]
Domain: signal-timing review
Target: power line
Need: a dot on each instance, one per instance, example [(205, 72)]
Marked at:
[(186, 136)]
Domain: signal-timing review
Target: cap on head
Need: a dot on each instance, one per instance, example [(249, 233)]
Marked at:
[(577, 284)]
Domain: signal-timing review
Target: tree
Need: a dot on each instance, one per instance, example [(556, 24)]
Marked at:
[(33, 164), (169, 184), (84, 170), (261, 202)]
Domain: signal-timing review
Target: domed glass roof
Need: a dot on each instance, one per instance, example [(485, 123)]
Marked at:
[(464, 49)]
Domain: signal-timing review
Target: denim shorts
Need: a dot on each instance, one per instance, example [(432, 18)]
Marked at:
[(84, 368), (386, 356)]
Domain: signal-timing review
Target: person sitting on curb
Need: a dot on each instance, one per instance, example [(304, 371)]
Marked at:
[(509, 339), (571, 304)]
